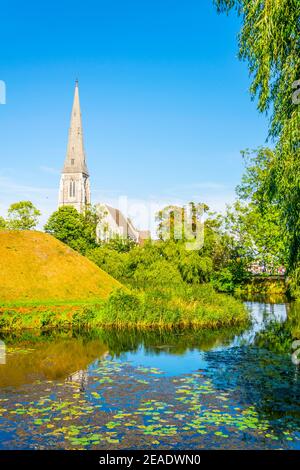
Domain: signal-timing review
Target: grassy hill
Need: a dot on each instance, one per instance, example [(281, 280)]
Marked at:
[(36, 267)]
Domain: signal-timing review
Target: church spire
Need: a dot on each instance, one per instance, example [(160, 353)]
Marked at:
[(74, 183), (75, 159)]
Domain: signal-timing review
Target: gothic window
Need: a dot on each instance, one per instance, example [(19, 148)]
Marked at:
[(72, 188), (72, 161)]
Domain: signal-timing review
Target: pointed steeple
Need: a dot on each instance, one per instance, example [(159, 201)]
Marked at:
[(74, 189), (75, 161)]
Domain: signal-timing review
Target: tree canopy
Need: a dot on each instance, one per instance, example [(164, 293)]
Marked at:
[(78, 230), (22, 215), (270, 43)]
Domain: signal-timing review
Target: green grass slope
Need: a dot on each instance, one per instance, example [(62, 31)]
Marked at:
[(35, 267)]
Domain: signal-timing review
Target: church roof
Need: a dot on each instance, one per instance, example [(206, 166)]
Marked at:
[(121, 221)]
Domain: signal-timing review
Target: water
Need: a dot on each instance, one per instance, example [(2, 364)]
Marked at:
[(120, 390)]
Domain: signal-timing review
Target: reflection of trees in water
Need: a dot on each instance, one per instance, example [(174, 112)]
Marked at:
[(278, 336), (263, 375), (175, 342), (264, 299), (60, 354), (257, 377)]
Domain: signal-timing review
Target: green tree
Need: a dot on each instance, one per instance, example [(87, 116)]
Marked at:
[(143, 256), (2, 223), (78, 230), (194, 267), (111, 260), (120, 244), (170, 223), (179, 223), (258, 234), (249, 234), (160, 273), (269, 42), (22, 215)]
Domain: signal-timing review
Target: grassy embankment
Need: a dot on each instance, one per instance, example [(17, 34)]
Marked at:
[(45, 284)]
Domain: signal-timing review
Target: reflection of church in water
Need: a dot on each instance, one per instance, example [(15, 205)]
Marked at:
[(79, 378), (75, 185)]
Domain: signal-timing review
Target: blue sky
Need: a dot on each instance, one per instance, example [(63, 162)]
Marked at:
[(164, 99)]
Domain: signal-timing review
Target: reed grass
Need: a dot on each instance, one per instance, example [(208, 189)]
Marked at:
[(154, 308)]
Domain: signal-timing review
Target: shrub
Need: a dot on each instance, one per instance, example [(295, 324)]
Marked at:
[(83, 317), (48, 319), (223, 280), (111, 261), (123, 307), (160, 272), (194, 267)]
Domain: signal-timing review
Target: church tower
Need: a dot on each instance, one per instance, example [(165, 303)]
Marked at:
[(75, 183)]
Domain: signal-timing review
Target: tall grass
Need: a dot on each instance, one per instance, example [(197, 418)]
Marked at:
[(156, 307)]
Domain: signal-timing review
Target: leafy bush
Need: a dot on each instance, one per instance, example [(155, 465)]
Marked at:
[(194, 267), (223, 280), (143, 256), (3, 224), (160, 273), (123, 308), (83, 317), (48, 319), (73, 228), (111, 261)]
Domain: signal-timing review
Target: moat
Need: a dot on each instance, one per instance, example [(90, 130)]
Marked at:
[(176, 390)]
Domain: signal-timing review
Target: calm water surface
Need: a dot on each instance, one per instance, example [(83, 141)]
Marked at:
[(120, 390)]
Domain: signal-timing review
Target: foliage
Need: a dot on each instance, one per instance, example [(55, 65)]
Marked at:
[(119, 244), (144, 256), (180, 223), (294, 284), (251, 235), (78, 230), (257, 234), (110, 260), (2, 223), (194, 267), (269, 42), (170, 223), (230, 245), (158, 262), (223, 280), (161, 273), (173, 306), (123, 308), (21, 215)]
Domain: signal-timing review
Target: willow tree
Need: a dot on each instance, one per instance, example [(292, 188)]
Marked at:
[(269, 41)]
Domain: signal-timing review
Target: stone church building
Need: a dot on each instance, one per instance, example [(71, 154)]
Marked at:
[(75, 187)]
